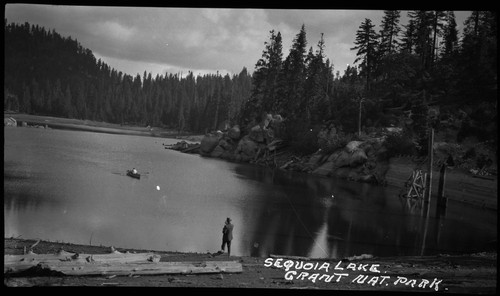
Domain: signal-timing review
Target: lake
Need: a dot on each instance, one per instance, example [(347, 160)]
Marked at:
[(71, 186)]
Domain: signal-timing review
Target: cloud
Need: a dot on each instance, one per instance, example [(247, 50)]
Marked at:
[(199, 39), (112, 29)]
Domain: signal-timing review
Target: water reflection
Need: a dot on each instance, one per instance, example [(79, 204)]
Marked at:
[(322, 217), (71, 186)]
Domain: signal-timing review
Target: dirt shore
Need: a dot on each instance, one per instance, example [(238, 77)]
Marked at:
[(468, 273)]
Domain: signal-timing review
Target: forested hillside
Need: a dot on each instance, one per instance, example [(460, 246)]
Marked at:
[(48, 74), (416, 75), (413, 76)]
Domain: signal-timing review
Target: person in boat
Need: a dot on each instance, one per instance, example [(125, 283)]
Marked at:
[(227, 236), (134, 171)]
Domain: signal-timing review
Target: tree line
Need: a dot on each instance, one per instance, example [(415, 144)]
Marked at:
[(399, 69), (48, 74), (401, 72)]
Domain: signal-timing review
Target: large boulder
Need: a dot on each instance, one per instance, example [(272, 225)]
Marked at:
[(357, 158), (314, 161), (209, 142), (247, 148), (340, 158), (325, 169), (234, 132), (223, 149), (336, 160), (342, 173), (217, 151), (256, 134), (225, 143), (267, 119), (353, 145)]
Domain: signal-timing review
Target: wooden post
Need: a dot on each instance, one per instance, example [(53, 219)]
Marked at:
[(441, 198), (431, 160), (441, 202), (424, 192), (359, 118)]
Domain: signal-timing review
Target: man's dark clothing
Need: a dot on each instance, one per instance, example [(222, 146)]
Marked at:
[(227, 237)]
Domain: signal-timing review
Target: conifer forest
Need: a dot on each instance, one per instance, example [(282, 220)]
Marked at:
[(400, 71)]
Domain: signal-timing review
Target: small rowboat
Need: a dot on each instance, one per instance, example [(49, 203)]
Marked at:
[(131, 174)]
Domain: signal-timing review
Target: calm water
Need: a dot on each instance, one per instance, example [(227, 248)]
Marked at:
[(71, 186)]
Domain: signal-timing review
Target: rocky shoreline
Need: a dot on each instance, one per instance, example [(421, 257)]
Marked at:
[(362, 161)]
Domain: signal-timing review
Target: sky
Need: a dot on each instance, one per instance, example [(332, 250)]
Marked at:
[(164, 40)]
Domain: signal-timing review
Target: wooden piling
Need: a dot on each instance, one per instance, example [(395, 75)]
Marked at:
[(430, 152), (441, 198)]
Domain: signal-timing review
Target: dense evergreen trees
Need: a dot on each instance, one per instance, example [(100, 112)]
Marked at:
[(402, 68), (429, 64), (48, 74)]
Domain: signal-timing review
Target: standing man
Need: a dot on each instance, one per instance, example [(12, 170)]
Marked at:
[(227, 236)]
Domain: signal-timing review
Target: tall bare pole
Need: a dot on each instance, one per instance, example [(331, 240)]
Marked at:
[(427, 199), (431, 159), (359, 117)]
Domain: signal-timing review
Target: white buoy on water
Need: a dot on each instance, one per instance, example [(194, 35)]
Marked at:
[(157, 187)]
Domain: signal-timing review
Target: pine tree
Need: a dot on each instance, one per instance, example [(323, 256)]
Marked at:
[(291, 83), (420, 124), (450, 35), (389, 32), (26, 101), (438, 18), (316, 86), (65, 103), (478, 57), (366, 45), (265, 80), (408, 40), (423, 21)]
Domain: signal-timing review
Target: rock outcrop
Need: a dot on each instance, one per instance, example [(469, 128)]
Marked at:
[(361, 160), (209, 142)]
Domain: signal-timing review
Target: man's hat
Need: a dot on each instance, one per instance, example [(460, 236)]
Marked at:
[(228, 219)]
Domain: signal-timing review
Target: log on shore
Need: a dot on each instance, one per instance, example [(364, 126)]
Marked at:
[(194, 149), (18, 263), (290, 257), (141, 268)]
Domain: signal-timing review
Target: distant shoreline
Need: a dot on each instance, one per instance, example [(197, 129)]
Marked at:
[(460, 185), (100, 127)]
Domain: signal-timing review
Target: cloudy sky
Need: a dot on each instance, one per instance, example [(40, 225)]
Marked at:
[(202, 40)]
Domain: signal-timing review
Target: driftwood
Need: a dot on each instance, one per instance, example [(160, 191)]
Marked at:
[(18, 263), (115, 263), (286, 165), (290, 257), (191, 149), (142, 268)]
